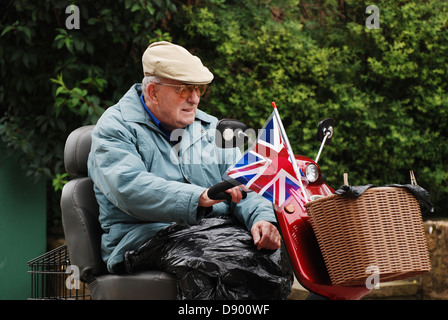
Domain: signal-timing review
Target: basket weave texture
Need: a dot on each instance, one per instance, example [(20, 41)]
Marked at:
[(382, 229)]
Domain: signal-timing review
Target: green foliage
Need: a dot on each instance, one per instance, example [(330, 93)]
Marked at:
[(386, 88), (55, 79), (78, 100)]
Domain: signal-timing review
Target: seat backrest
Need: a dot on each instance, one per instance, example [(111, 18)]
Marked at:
[(80, 209), (77, 149)]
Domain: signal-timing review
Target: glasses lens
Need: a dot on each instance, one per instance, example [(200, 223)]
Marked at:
[(188, 90), (201, 89)]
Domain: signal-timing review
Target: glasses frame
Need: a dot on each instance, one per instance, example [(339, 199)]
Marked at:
[(187, 89)]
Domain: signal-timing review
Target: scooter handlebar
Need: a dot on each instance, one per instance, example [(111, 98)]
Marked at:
[(217, 192)]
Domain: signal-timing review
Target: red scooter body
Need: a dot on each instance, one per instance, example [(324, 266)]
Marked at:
[(297, 232), (302, 246)]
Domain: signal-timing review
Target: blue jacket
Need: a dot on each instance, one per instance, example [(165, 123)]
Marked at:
[(144, 182)]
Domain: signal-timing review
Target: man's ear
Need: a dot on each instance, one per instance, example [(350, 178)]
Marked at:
[(151, 93)]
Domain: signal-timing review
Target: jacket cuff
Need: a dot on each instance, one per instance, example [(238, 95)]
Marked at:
[(186, 210)]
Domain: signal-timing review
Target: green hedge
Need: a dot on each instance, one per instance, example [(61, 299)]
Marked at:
[(386, 88)]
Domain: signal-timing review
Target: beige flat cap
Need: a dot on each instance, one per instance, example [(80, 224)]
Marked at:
[(166, 60)]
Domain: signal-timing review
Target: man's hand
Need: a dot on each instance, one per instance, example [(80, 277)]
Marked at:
[(266, 235), (235, 193)]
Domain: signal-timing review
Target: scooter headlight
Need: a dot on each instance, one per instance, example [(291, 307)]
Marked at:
[(312, 173)]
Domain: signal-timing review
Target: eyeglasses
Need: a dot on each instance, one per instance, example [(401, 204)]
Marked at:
[(185, 90)]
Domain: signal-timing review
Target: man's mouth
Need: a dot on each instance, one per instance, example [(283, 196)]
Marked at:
[(188, 110)]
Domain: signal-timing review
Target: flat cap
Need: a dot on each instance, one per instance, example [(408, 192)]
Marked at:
[(170, 61)]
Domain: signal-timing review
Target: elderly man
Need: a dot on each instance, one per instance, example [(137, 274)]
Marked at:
[(153, 159)]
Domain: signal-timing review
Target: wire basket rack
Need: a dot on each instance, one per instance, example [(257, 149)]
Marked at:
[(54, 278)]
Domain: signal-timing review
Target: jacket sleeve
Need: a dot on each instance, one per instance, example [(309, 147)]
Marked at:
[(119, 173), (254, 208)]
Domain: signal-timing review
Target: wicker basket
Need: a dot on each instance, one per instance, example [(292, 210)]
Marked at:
[(382, 229)]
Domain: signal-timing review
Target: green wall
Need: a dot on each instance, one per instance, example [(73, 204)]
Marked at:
[(22, 227)]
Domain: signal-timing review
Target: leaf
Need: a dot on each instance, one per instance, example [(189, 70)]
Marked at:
[(59, 90), (9, 28)]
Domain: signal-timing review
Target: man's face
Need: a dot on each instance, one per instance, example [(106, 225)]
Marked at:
[(170, 108)]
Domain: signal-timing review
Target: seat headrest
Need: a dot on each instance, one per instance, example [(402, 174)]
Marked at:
[(77, 149)]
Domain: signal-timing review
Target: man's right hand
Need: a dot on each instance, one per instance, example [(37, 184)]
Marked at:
[(235, 193)]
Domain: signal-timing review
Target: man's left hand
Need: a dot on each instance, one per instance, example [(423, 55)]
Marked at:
[(265, 235)]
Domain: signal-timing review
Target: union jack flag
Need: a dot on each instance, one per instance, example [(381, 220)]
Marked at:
[(267, 168)]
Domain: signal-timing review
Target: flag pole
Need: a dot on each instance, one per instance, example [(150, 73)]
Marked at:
[(291, 154)]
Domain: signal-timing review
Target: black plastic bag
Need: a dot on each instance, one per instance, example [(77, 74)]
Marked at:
[(215, 260), (419, 193)]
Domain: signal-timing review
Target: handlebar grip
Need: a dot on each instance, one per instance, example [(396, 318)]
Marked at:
[(216, 192)]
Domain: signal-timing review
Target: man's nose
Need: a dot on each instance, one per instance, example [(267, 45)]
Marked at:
[(194, 97)]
